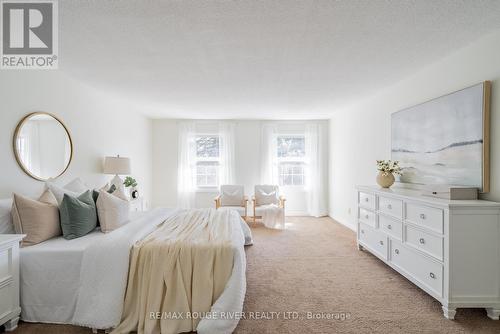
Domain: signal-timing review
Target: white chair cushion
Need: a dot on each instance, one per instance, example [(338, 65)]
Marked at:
[(240, 209), (259, 209), (266, 194), (231, 195)]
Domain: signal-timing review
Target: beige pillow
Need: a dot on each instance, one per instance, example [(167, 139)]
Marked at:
[(38, 219), (113, 211)]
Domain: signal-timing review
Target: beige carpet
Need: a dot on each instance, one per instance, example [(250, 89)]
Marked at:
[(314, 266)]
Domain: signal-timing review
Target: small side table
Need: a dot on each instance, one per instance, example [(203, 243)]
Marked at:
[(137, 204), (9, 280)]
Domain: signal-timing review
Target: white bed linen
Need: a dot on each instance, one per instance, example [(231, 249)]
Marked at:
[(82, 281)]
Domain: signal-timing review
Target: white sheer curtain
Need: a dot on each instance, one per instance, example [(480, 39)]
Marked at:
[(226, 151), (316, 179), (186, 168), (186, 188), (269, 163)]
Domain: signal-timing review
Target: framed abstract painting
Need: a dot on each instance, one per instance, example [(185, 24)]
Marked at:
[(445, 141)]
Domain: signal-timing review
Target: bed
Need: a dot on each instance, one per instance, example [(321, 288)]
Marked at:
[(82, 281)]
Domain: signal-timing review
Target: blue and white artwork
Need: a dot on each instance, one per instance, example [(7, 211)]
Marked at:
[(440, 142)]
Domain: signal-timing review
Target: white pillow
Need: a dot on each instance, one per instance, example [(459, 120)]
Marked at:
[(77, 186), (120, 194), (104, 187), (113, 211), (6, 226), (60, 191), (264, 198), (231, 196)]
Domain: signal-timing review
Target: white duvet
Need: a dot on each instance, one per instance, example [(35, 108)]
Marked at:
[(82, 281)]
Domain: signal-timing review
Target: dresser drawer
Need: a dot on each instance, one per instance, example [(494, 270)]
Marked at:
[(427, 272), (425, 216), (423, 241), (391, 206), (367, 200), (368, 217), (374, 240), (392, 227)]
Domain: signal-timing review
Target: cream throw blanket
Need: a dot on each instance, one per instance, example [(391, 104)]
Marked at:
[(181, 268), (273, 216)]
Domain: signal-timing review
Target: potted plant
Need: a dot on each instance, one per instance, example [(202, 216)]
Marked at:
[(131, 183), (387, 169)]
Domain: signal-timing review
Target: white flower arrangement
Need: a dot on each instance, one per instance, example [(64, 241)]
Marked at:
[(389, 167)]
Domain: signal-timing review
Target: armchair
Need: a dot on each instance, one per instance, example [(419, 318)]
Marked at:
[(265, 195), (232, 197)]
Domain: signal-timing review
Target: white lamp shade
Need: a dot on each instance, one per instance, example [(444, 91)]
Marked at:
[(117, 165)]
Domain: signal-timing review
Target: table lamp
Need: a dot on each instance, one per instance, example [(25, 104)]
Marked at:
[(118, 166)]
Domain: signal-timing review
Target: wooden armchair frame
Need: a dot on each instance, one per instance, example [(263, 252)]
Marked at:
[(281, 204)]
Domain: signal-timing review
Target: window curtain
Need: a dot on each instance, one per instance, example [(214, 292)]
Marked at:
[(269, 163), (226, 151), (186, 187), (316, 179)]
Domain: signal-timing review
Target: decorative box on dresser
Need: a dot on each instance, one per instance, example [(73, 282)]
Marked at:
[(9, 280), (449, 248)]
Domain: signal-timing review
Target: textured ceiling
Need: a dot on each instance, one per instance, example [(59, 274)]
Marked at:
[(259, 59)]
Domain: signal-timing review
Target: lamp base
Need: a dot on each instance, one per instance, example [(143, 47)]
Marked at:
[(118, 182)]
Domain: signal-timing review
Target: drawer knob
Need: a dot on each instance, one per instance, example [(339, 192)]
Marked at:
[(367, 199), (389, 227), (362, 231), (432, 275), (381, 242), (422, 241), (367, 216), (396, 251), (422, 216), (389, 206)]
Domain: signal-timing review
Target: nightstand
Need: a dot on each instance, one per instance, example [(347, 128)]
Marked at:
[(137, 204), (9, 280)]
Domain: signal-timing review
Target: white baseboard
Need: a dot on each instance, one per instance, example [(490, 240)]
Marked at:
[(296, 213), (344, 222)]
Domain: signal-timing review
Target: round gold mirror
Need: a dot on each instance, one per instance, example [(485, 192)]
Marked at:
[(42, 146)]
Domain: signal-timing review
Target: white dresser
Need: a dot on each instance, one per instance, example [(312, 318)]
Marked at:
[(449, 248), (9, 280)]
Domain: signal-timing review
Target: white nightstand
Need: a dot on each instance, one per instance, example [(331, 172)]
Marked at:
[(9, 280), (137, 204)]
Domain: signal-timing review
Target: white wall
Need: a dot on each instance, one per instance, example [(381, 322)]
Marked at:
[(361, 134), (248, 165), (100, 125)]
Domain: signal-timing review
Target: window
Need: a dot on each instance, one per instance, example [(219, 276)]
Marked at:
[(207, 161), (291, 155), (24, 153)]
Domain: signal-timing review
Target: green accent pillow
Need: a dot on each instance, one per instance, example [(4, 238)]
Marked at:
[(78, 215)]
